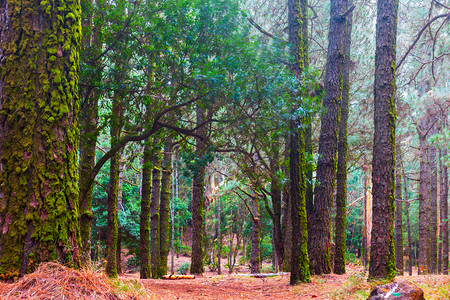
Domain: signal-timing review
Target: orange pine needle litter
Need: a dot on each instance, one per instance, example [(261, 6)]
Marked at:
[(54, 281)]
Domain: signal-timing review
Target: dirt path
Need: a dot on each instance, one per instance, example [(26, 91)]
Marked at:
[(241, 287)]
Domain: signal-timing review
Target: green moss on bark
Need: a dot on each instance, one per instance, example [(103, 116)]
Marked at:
[(38, 185)]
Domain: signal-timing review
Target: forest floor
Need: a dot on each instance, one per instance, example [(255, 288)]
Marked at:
[(352, 285), (53, 281)]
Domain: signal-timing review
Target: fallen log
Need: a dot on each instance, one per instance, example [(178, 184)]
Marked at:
[(176, 276)]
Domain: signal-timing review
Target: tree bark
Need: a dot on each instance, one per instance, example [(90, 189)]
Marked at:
[(444, 210), (398, 224), (144, 229), (341, 177), (164, 208), (113, 188), (92, 46), (154, 210), (275, 192), (319, 226), (286, 223), (408, 225), (424, 237), (433, 208), (198, 188), (382, 254), (39, 105), (298, 37), (255, 257)]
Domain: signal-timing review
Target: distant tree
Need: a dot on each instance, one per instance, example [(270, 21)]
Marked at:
[(40, 46), (382, 256)]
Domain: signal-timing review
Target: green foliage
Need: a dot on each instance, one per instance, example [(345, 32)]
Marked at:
[(184, 268)]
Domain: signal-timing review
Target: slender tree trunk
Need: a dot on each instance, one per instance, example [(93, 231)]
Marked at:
[(398, 224), (275, 192), (113, 188), (408, 226), (341, 177), (198, 188), (434, 207), (154, 210), (444, 211), (92, 46), (319, 227), (112, 228), (424, 237), (219, 237), (286, 223), (382, 254), (144, 229), (255, 258), (39, 106), (298, 37), (172, 216), (164, 209)]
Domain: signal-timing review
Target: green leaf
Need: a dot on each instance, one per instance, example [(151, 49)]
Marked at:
[(396, 294)]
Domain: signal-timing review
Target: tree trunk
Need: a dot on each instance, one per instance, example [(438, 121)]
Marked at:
[(382, 258), (298, 37), (398, 224), (444, 211), (286, 224), (154, 210), (113, 188), (255, 258), (433, 206), (367, 229), (424, 238), (164, 209), (408, 225), (92, 46), (38, 135), (275, 192), (319, 226), (144, 229), (198, 188), (219, 236), (341, 177)]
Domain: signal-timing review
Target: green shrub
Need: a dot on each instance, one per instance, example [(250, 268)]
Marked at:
[(184, 268)]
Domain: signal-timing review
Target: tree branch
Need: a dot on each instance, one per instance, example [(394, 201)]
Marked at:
[(260, 29), (447, 15)]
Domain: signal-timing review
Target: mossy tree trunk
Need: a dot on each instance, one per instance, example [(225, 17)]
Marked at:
[(164, 208), (198, 188), (154, 209), (382, 252), (341, 176), (112, 233), (39, 105), (144, 229), (298, 37), (319, 226), (92, 47)]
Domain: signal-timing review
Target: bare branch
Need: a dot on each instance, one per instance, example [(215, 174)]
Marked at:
[(447, 15), (260, 29)]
